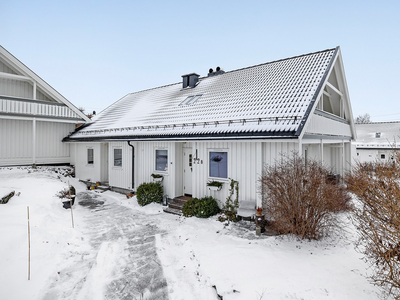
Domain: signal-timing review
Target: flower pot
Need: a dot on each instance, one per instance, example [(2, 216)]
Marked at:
[(158, 179), (214, 188)]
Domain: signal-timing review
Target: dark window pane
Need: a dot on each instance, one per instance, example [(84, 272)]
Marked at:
[(219, 164), (162, 160), (117, 157), (90, 159)]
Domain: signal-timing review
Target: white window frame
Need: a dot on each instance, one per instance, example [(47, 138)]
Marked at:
[(113, 160), (155, 161), (227, 164), (87, 156)]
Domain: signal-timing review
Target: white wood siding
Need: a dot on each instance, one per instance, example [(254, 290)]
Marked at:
[(16, 147), (49, 145), (16, 142), (322, 125)]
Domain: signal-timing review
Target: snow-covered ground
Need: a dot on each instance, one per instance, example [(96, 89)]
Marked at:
[(119, 250)]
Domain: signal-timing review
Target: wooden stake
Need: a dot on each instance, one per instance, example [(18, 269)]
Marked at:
[(70, 203), (29, 247)]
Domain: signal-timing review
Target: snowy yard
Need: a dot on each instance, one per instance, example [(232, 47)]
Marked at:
[(119, 250)]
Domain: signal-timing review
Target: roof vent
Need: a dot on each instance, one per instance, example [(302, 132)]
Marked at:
[(190, 80), (218, 71)]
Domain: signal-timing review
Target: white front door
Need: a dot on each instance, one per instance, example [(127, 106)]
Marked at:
[(187, 170)]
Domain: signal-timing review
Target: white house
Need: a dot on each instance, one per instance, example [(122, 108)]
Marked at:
[(34, 117), (220, 126), (376, 141)]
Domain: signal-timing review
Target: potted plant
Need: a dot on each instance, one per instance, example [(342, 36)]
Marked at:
[(259, 211), (157, 177), (214, 185)]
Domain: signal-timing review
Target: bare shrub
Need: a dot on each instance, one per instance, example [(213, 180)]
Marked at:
[(298, 198), (377, 218)]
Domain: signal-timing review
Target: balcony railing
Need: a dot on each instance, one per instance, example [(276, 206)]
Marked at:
[(19, 106)]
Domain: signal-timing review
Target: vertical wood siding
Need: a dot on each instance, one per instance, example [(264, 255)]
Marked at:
[(82, 169), (16, 145), (16, 142), (49, 145)]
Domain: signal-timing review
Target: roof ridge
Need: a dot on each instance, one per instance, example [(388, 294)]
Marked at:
[(279, 60)]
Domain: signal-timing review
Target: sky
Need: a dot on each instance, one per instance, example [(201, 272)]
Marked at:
[(96, 52)]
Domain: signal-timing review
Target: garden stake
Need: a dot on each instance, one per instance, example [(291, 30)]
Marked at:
[(70, 204), (29, 248)]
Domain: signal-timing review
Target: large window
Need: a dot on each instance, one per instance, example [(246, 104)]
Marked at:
[(117, 157), (90, 156), (162, 160), (218, 164)]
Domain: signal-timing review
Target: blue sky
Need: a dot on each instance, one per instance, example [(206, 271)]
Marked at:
[(95, 52)]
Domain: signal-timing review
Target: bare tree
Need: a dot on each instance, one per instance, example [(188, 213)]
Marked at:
[(377, 218), (298, 198), (363, 119)]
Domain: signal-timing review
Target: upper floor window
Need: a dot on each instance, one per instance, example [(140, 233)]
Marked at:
[(117, 157), (162, 160), (90, 156), (378, 135)]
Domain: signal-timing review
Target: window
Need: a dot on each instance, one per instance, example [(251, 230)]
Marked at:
[(90, 156), (162, 160), (117, 157), (218, 164), (378, 135), (190, 100), (383, 156)]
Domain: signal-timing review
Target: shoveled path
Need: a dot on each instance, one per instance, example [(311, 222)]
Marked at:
[(121, 263)]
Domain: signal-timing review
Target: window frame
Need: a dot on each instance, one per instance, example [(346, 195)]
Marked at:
[(155, 161), (227, 164), (117, 148), (88, 163)]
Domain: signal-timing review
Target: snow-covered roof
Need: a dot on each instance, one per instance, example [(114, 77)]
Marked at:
[(267, 100), (378, 135)]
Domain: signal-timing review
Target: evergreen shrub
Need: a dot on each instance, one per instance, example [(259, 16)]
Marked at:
[(149, 192), (202, 208)]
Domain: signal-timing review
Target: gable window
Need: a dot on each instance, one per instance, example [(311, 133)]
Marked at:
[(90, 156), (162, 160), (378, 135), (117, 157), (218, 164)]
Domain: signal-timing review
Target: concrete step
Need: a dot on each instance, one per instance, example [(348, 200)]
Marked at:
[(173, 211)]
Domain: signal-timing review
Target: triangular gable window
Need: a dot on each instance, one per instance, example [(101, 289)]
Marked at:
[(190, 100)]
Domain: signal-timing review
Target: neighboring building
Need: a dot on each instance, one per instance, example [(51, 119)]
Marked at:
[(376, 141), (34, 117), (224, 125)]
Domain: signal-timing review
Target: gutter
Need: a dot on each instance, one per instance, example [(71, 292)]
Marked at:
[(133, 164)]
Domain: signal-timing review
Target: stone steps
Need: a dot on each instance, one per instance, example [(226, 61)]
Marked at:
[(175, 205)]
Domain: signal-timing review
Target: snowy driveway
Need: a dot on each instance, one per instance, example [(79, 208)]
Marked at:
[(121, 263)]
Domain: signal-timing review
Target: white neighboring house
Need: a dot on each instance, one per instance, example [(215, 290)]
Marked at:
[(376, 141), (224, 125), (34, 117)]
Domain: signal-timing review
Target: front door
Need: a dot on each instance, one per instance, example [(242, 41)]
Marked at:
[(187, 170)]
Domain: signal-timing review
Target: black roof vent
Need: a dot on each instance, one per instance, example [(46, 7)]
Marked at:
[(218, 71), (190, 80)]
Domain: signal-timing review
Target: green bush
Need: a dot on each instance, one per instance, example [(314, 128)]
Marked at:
[(149, 192), (201, 208), (189, 208)]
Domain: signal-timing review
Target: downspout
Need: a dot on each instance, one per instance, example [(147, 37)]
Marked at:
[(133, 164)]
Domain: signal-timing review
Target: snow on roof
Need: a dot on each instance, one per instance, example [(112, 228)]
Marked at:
[(378, 135), (270, 99)]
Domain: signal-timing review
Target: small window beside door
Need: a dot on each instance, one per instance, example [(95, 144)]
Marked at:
[(90, 156), (117, 157), (162, 160)]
